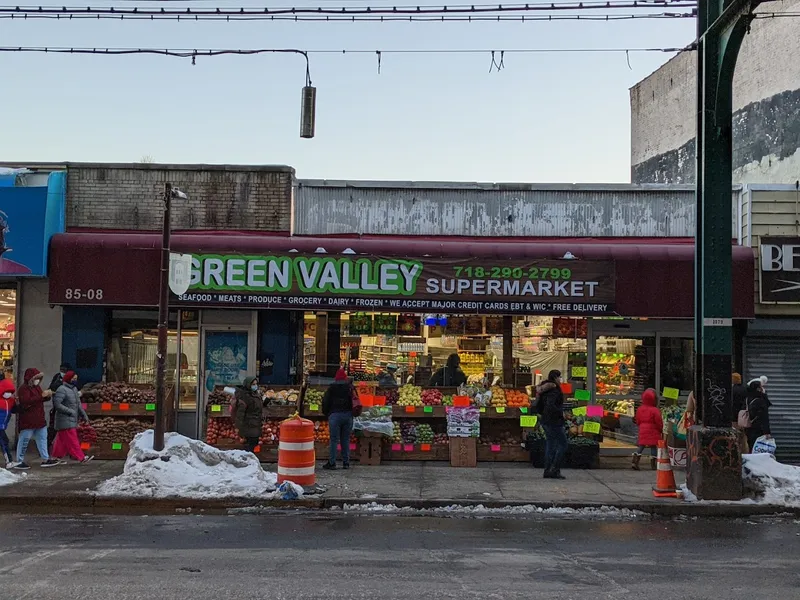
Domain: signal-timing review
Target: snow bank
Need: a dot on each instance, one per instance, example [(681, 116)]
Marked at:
[(765, 481), (8, 478), (188, 468), (603, 512), (772, 482)]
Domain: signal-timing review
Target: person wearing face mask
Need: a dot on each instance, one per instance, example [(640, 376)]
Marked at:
[(32, 424), (7, 403), (248, 412), (58, 378), (68, 411), (550, 407)]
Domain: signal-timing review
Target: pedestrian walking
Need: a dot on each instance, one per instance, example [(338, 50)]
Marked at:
[(58, 378), (248, 412), (757, 415), (651, 426), (68, 412), (30, 416), (550, 407), (7, 403), (337, 406), (738, 403)]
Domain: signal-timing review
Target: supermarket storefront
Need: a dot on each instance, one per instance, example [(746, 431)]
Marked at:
[(613, 315)]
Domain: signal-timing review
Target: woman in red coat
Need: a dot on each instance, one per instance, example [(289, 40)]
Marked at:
[(651, 425), (32, 423)]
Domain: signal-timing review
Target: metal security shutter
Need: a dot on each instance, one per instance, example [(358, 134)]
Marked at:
[(779, 358)]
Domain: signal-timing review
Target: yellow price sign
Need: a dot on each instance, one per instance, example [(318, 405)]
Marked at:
[(671, 393), (580, 372), (528, 420), (591, 427), (579, 411)]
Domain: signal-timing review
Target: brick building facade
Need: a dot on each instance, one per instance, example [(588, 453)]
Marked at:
[(129, 196)]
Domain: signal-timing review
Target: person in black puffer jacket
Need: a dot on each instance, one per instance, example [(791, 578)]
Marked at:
[(248, 413), (550, 407), (337, 406), (758, 409)]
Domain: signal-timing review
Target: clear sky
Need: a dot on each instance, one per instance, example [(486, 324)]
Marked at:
[(544, 118)]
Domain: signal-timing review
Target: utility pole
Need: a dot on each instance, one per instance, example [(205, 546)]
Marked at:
[(721, 28), (163, 322)]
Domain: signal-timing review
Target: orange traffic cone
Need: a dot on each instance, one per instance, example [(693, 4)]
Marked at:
[(665, 478)]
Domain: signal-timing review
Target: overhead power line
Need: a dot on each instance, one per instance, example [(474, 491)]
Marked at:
[(497, 57), (190, 52), (361, 18), (31, 11)]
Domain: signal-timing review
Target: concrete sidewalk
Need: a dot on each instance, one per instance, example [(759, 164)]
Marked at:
[(68, 489)]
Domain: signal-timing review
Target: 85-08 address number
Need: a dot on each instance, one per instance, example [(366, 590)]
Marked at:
[(79, 294)]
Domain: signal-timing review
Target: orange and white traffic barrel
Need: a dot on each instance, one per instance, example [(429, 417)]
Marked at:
[(296, 456)]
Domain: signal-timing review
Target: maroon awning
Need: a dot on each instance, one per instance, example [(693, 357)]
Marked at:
[(654, 278)]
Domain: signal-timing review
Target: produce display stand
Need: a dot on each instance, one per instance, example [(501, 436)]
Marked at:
[(132, 411)]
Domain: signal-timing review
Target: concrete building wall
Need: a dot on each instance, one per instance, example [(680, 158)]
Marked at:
[(38, 330), (130, 196), (766, 103), (495, 209)]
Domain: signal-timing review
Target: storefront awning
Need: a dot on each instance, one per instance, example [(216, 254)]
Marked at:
[(651, 278)]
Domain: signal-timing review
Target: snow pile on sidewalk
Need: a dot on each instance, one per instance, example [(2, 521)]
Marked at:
[(773, 482), (9, 478), (188, 468), (765, 481), (602, 512)]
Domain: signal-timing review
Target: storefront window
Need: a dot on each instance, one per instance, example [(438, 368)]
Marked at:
[(677, 364), (418, 345), (625, 367), (133, 346), (189, 353), (8, 311)]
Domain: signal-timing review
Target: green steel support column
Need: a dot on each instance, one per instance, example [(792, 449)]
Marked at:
[(722, 26), (714, 471)]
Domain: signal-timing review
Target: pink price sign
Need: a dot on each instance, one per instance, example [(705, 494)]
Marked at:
[(594, 411)]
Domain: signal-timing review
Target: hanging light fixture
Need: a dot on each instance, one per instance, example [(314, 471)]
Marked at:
[(308, 107)]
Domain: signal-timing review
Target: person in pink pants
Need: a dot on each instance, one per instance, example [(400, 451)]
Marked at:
[(67, 404)]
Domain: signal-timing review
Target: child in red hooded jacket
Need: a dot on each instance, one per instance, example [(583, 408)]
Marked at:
[(7, 402), (651, 425)]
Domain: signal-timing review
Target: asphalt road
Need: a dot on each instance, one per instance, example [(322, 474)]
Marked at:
[(322, 556)]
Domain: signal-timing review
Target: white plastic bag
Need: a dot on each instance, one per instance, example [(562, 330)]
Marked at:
[(765, 445)]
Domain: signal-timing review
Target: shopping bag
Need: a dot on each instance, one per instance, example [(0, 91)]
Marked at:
[(683, 425), (765, 445)]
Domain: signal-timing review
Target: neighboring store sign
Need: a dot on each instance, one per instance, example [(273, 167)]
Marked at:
[(29, 216), (779, 270), (400, 285)]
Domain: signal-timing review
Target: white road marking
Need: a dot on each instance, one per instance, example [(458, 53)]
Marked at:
[(19, 566)]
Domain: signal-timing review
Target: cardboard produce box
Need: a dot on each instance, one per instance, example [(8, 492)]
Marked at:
[(463, 452)]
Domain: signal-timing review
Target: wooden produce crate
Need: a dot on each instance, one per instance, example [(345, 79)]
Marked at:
[(463, 452), (502, 453), (323, 451), (416, 452), (107, 409), (370, 449), (106, 450)]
